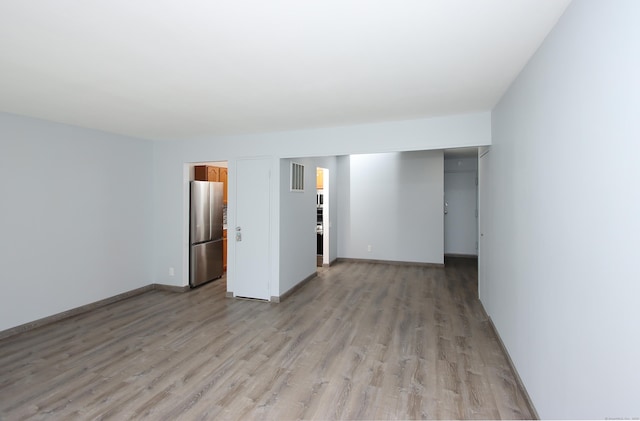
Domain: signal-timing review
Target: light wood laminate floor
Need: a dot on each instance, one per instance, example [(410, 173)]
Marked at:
[(361, 341)]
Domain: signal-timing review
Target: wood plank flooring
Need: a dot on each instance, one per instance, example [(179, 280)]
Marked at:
[(361, 341)]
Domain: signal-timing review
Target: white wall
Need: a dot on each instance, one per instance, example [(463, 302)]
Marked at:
[(460, 195), (298, 222), (562, 283), (297, 226), (171, 215), (393, 204), (76, 217)]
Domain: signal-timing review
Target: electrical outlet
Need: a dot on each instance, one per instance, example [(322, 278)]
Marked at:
[(172, 272), (369, 247)]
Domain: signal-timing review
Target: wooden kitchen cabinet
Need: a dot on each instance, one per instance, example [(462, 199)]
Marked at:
[(223, 177), (206, 173), (214, 173), (224, 250), (200, 173)]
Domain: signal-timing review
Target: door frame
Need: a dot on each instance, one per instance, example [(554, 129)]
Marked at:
[(484, 223), (326, 217)]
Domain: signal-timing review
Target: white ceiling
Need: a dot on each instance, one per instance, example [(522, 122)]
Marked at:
[(165, 69)]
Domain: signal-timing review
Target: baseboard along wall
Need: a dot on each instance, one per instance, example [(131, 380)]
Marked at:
[(88, 307)]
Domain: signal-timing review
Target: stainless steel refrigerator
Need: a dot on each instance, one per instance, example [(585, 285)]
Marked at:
[(205, 253)]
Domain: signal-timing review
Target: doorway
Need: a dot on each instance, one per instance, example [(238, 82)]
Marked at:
[(322, 217), (461, 203), (248, 236), (212, 171)]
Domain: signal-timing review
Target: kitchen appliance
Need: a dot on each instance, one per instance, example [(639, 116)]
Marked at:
[(205, 233)]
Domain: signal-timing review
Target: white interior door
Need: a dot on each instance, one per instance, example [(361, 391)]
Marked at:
[(460, 222), (252, 231)]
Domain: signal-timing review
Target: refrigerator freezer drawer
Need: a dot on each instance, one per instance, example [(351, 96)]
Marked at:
[(206, 262)]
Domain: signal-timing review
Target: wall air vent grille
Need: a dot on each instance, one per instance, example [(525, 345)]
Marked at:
[(297, 177)]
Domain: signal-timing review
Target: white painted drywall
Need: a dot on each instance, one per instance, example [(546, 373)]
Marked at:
[(171, 187), (297, 226), (298, 222), (460, 195), (343, 196), (76, 217), (393, 206), (563, 276)]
